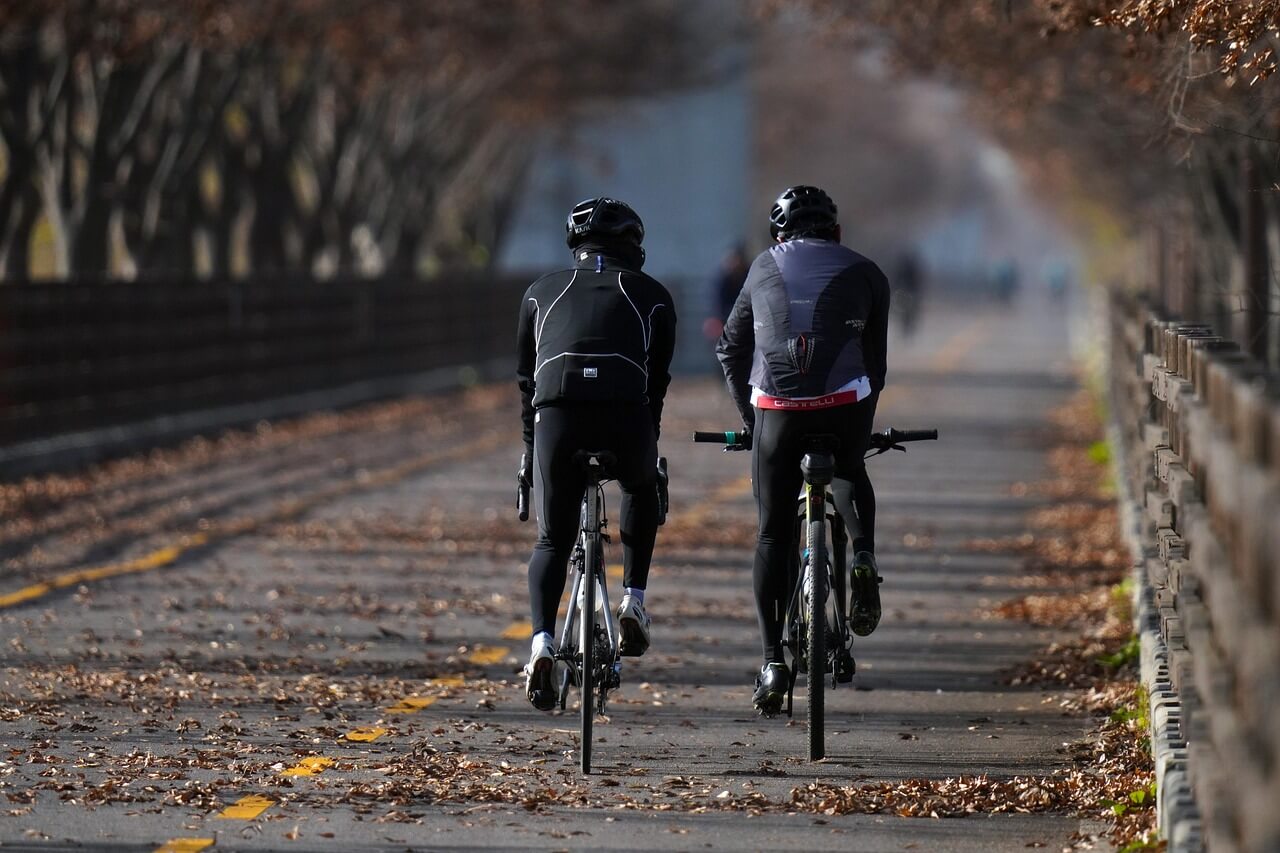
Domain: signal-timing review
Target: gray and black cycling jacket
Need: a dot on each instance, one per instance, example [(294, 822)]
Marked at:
[(812, 319), (600, 332)]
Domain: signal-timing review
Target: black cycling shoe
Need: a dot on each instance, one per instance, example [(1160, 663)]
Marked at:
[(864, 594), (771, 688)]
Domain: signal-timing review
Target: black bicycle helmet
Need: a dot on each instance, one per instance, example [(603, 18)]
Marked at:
[(605, 218), (801, 209)]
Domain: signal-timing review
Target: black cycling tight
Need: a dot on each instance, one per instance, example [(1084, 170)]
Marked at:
[(559, 432), (775, 467)]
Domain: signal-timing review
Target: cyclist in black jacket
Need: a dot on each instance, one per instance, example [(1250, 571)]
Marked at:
[(803, 352), (594, 355)]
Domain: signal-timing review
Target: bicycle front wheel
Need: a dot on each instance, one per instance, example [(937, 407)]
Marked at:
[(816, 628), (587, 641)]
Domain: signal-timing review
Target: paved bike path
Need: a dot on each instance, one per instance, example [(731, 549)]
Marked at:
[(345, 669)]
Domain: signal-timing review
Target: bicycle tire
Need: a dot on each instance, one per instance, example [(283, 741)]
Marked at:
[(816, 619), (588, 636)]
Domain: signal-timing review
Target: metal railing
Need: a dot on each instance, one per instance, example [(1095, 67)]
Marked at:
[(1199, 422), (83, 355)]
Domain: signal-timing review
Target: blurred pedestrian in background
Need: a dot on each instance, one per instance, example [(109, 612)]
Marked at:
[(724, 290), (908, 291)]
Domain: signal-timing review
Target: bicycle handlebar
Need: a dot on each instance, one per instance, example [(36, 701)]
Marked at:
[(664, 495), (523, 476), (729, 438), (889, 438)]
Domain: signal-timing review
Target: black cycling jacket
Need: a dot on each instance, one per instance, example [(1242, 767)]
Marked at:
[(600, 332), (812, 317)]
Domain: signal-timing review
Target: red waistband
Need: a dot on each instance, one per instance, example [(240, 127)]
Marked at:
[(843, 398)]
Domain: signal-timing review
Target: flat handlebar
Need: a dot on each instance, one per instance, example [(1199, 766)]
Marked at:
[(729, 438), (889, 438), (523, 477)]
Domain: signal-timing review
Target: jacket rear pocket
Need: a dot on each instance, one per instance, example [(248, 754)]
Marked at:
[(591, 377)]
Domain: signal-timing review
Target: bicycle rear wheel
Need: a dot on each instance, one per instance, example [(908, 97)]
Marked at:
[(587, 639), (816, 628)]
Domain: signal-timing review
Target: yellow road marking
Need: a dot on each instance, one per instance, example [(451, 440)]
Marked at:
[(958, 345), (708, 507), (366, 734), (411, 704), (247, 808), (488, 655), (309, 766), (447, 681), (184, 845), (614, 572), (291, 509), (154, 560), (517, 631)]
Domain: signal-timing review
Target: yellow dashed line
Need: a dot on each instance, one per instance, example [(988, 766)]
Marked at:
[(170, 554), (366, 734), (447, 681), (958, 345), (488, 655), (710, 505), (246, 808), (517, 631), (309, 766), (184, 845), (411, 704), (614, 572), (154, 560)]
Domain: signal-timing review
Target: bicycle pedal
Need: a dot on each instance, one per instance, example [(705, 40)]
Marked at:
[(845, 668)]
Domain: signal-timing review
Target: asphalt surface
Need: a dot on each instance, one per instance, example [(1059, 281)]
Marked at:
[(307, 637)]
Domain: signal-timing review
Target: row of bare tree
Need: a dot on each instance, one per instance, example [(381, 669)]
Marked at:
[(222, 137), (1158, 112)]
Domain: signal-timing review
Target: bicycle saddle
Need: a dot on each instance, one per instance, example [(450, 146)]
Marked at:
[(602, 462), (821, 442)]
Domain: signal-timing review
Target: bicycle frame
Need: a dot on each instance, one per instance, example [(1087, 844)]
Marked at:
[(589, 648), (569, 652), (801, 635), (809, 507)]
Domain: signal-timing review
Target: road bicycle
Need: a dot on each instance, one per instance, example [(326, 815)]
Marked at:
[(589, 641), (816, 631)]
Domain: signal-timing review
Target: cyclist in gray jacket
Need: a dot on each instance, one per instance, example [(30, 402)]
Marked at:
[(803, 352)]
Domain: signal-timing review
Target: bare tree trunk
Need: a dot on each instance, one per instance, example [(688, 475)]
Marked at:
[(1159, 267), (273, 209), (21, 209), (18, 257), (91, 255), (1257, 272)]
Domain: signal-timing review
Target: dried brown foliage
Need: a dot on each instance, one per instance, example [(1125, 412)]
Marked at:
[(1240, 33), (338, 134), (1079, 555)]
